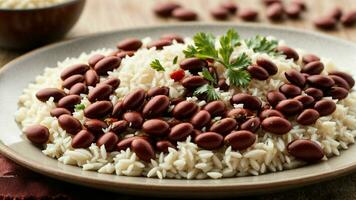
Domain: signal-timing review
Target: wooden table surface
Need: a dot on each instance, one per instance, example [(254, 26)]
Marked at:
[(106, 15)]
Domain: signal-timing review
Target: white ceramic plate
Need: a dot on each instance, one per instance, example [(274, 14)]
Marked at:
[(16, 75)]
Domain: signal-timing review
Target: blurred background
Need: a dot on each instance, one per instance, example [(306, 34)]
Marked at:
[(332, 17)]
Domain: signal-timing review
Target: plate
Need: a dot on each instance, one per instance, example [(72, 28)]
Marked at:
[(16, 75)]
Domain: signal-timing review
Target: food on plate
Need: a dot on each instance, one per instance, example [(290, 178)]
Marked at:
[(194, 108)]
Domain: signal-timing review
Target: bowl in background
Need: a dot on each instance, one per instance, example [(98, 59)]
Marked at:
[(29, 28)]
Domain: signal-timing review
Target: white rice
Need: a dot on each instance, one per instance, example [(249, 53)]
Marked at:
[(188, 161), (28, 4)]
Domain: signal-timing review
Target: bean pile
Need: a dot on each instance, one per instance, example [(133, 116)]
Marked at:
[(161, 121), (276, 11)]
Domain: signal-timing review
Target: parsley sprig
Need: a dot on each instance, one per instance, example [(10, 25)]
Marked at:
[(156, 65), (204, 48), (263, 45)]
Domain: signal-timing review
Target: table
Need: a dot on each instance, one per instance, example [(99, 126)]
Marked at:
[(106, 15)]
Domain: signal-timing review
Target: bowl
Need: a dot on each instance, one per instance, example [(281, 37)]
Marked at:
[(23, 29)]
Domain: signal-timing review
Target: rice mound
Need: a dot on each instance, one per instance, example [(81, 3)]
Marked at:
[(188, 161)]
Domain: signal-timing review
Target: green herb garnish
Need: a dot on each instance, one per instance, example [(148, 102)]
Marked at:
[(204, 48), (79, 107), (206, 74), (209, 90), (262, 45), (175, 60), (156, 65)]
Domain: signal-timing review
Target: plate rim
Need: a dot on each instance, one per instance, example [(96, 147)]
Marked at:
[(69, 177)]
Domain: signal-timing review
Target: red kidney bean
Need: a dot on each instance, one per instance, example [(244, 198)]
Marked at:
[(155, 91), (192, 82), (56, 112), (125, 143), (305, 150), (129, 44), (274, 97), (276, 125), (77, 69), (248, 14), (305, 75), (288, 52), (290, 90), (165, 9), (230, 6), (119, 126), (180, 131), (219, 13), (224, 126), (69, 101), (200, 119), (173, 36), (289, 107), (320, 81), (156, 127), (134, 99), (349, 18), (175, 101), (240, 140), (184, 109), (46, 93), (143, 149), (313, 68), (95, 59), (223, 85), (239, 114), (335, 13), (325, 107), (300, 3), (325, 22), (37, 134), (340, 82), (310, 58), (184, 14), (257, 72), (193, 64), (109, 140), (315, 93), (118, 110), (113, 82), (172, 122), (215, 108), (70, 81), (159, 44), (70, 124), (249, 101), (95, 125), (98, 109), (156, 106), (268, 65), (270, 2), (348, 78), (163, 145), (107, 64), (100, 92), (83, 139), (306, 100), (307, 117), (124, 54), (295, 77), (134, 119), (78, 88), (91, 77), (252, 125), (209, 140), (195, 133), (275, 11), (338, 93), (269, 113), (293, 10)]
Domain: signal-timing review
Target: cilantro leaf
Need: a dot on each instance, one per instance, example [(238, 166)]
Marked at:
[(211, 93), (238, 77), (79, 107), (227, 43), (206, 74), (157, 65), (205, 46), (191, 51), (175, 60), (262, 45), (241, 62)]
